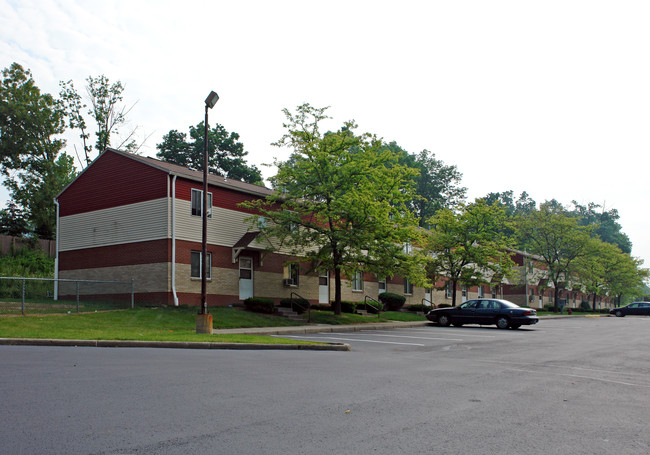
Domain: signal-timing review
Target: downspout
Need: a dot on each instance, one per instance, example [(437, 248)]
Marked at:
[(56, 257), (174, 241)]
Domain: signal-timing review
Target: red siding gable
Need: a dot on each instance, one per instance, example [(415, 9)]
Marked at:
[(221, 197), (110, 181)]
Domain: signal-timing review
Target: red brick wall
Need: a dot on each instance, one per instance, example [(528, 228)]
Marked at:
[(151, 252)]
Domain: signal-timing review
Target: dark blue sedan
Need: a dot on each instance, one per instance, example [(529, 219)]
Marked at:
[(501, 313), (633, 309)]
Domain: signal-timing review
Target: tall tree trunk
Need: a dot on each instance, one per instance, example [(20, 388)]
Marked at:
[(454, 283), (337, 290), (556, 297)]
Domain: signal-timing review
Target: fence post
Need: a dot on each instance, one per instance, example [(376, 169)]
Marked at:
[(77, 284), (132, 293), (23, 299)]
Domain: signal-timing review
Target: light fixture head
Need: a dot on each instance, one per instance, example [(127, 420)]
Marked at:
[(212, 99)]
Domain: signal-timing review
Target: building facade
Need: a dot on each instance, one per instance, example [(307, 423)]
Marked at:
[(128, 217)]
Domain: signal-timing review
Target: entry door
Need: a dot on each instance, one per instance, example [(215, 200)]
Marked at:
[(245, 278), (324, 288), (427, 297)]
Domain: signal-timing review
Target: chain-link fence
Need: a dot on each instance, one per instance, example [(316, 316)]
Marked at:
[(46, 295)]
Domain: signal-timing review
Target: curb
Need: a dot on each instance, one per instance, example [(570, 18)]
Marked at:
[(171, 344)]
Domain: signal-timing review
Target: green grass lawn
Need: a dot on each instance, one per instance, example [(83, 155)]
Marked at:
[(168, 324), (149, 324)]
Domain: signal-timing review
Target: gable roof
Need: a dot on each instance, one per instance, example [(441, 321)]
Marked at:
[(180, 171)]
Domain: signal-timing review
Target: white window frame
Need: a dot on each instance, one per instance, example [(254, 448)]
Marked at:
[(448, 291), (408, 287), (292, 274), (199, 254), (357, 281), (481, 292), (197, 211)]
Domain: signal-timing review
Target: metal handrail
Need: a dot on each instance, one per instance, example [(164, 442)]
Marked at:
[(433, 305), (366, 305), (308, 309)]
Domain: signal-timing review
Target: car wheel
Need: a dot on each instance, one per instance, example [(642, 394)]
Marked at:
[(619, 314), (444, 320), (502, 322), (458, 324)]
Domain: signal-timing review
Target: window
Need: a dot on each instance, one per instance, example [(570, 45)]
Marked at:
[(291, 274), (448, 290), (357, 281), (481, 294), (196, 264), (293, 226), (197, 203), (494, 292), (381, 284), (407, 248), (408, 287)]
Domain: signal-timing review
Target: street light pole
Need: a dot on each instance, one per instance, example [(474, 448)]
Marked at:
[(203, 321)]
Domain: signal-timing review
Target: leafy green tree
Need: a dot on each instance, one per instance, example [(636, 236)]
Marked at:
[(522, 206), (13, 221), (468, 245), (105, 109), (437, 185), (557, 239), (594, 270), (341, 202), (605, 224), (627, 277), (226, 155), (35, 170)]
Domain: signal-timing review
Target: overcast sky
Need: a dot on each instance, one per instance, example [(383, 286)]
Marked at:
[(549, 97)]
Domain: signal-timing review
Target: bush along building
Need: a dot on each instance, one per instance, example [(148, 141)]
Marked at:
[(132, 218)]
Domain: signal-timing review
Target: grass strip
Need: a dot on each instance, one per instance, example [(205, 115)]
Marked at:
[(146, 324)]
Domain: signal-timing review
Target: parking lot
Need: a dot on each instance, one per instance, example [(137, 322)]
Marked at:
[(579, 386)]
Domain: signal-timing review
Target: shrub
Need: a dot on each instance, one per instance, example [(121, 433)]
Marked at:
[(392, 302), (300, 305), (259, 305), (585, 306), (444, 305), (373, 307), (321, 307), (348, 307), (418, 307)]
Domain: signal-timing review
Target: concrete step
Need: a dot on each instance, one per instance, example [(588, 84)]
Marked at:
[(290, 314)]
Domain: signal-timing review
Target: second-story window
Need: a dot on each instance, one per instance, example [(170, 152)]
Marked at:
[(197, 203)]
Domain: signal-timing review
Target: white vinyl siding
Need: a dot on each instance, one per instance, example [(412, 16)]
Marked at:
[(225, 228), (131, 223)]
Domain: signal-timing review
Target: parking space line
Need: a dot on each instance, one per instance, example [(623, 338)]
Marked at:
[(455, 332), (583, 377), (406, 336), (349, 339)]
